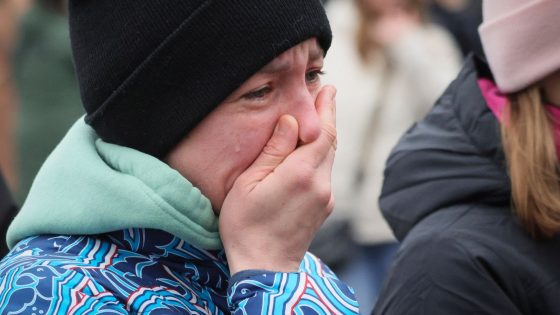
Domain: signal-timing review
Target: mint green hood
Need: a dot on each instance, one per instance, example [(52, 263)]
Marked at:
[(88, 186)]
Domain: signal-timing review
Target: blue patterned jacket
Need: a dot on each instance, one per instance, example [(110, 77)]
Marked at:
[(143, 271)]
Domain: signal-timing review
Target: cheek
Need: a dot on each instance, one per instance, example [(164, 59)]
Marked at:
[(314, 92), (244, 142), (247, 145)]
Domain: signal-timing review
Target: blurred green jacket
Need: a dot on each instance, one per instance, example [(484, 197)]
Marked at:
[(48, 91)]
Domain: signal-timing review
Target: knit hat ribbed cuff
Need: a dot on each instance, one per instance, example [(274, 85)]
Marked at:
[(523, 46), (214, 50)]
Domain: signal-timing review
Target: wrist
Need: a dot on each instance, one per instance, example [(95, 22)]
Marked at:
[(243, 262)]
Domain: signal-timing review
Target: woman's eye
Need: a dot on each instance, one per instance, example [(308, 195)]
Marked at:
[(257, 94), (313, 76)]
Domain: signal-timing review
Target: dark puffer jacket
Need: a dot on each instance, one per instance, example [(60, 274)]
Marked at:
[(447, 198)]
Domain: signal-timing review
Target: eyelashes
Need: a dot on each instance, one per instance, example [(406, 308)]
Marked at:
[(311, 77), (258, 94)]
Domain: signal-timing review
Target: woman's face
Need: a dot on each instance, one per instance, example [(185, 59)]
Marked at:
[(230, 138), (383, 7)]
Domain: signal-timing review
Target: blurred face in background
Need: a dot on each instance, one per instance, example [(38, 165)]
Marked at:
[(383, 22), (382, 6), (388, 7)]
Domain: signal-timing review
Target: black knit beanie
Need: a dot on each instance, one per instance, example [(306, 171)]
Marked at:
[(151, 70)]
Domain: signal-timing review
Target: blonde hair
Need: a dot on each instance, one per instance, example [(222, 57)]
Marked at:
[(528, 141)]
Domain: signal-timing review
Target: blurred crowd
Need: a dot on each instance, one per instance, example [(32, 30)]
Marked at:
[(390, 60)]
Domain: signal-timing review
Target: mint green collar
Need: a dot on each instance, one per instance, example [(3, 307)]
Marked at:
[(88, 186)]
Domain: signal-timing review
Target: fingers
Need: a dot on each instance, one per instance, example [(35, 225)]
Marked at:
[(325, 145), (326, 107), (279, 146), (285, 138)]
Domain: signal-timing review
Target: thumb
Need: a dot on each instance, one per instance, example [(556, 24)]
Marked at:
[(280, 145)]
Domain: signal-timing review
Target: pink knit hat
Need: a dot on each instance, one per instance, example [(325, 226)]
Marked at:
[(521, 39)]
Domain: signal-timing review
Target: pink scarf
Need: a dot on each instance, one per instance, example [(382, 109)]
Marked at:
[(496, 101)]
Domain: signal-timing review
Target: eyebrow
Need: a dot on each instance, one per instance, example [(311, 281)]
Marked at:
[(315, 53)]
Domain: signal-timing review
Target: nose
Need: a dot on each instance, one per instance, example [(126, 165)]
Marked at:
[(304, 110)]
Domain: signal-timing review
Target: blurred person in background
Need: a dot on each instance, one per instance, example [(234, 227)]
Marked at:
[(10, 13), (48, 91), (384, 66), (8, 211), (473, 190), (462, 19)]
